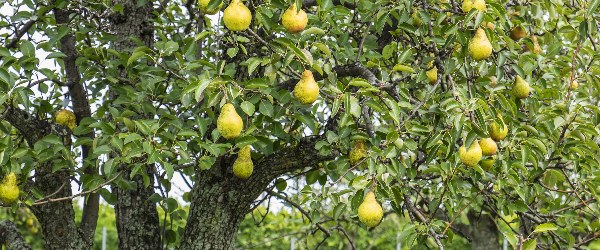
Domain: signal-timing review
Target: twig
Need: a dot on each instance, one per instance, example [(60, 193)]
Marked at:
[(461, 210), (44, 201), (412, 209), (297, 206)]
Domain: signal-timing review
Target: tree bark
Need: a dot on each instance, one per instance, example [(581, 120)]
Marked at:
[(137, 217), (10, 236), (482, 231), (220, 200)]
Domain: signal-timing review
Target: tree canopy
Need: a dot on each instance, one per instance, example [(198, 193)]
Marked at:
[(469, 121)]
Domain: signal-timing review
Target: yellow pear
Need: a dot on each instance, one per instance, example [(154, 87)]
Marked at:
[(229, 123), (493, 81), (66, 118), (358, 152), (467, 5), (432, 73), (243, 166), (480, 47), (497, 133), (9, 191), (294, 20), (237, 17), (536, 46), (517, 32), (370, 211), (489, 25), (574, 84), (520, 88), (488, 146), (306, 90), (203, 4), (487, 164), (472, 156)]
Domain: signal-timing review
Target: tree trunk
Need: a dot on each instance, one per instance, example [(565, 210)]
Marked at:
[(220, 200), (483, 232), (137, 217)]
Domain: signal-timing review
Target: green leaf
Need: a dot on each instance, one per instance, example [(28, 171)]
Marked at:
[(247, 107), (530, 244), (545, 227)]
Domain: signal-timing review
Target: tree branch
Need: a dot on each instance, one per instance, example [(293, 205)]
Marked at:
[(10, 236)]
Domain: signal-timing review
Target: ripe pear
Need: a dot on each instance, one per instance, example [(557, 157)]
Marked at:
[(488, 25), (9, 191), (487, 164), (467, 5), (237, 17), (66, 118), (306, 90), (432, 73), (517, 32), (203, 4), (520, 88), (488, 146), (480, 47), (294, 20), (229, 123), (574, 84), (358, 152), (493, 81), (536, 46), (243, 166), (497, 133), (472, 156), (370, 211)]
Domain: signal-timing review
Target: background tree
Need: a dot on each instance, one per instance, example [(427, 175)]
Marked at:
[(146, 81)]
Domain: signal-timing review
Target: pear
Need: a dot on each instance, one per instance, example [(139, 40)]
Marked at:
[(497, 133), (306, 90), (480, 47), (370, 212), (493, 81), (517, 32), (203, 4), (294, 20), (472, 156), (243, 166), (237, 17), (467, 5), (574, 84), (432, 73), (488, 146), (229, 123), (417, 21), (358, 152), (487, 164), (9, 191), (536, 46), (520, 88), (66, 118), (488, 25)]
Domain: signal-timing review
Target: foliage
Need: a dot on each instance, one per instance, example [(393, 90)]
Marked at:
[(157, 104)]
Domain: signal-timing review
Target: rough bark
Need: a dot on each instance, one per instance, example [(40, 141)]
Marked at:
[(81, 108), (482, 231), (220, 200), (137, 217), (11, 238)]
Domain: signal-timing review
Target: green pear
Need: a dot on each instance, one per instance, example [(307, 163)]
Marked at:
[(306, 90), (229, 123), (520, 88), (243, 166), (487, 164), (203, 4), (358, 152), (237, 17), (370, 211), (472, 156), (480, 47)]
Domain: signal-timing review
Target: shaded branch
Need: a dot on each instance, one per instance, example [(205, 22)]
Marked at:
[(10, 237)]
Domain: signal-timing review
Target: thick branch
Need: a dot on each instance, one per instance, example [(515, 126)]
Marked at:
[(81, 108), (10, 236)]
